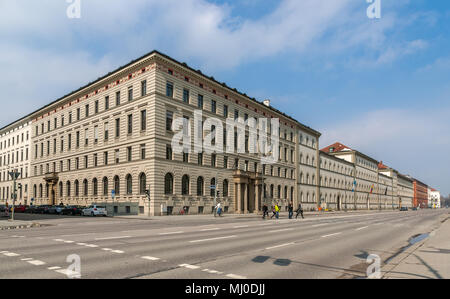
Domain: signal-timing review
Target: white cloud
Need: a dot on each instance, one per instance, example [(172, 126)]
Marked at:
[(413, 141)]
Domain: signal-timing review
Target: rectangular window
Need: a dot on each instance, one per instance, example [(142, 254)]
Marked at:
[(186, 157), (225, 162), (70, 117), (116, 156), (130, 124), (200, 158), (107, 103), (62, 120), (96, 107), (213, 106), (87, 111), (77, 139), (86, 137), (86, 161), (69, 142), (78, 113), (106, 131), (130, 93), (129, 154), (95, 160), (117, 127), (105, 158), (142, 151), (186, 96), (168, 152), (236, 114), (169, 90), (200, 101), (169, 120), (143, 120), (96, 134), (118, 98), (143, 88), (213, 160), (225, 111)]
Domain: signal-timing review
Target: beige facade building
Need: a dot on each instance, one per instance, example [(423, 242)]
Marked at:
[(117, 134)]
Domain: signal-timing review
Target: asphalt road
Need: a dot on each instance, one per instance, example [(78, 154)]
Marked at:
[(326, 246)]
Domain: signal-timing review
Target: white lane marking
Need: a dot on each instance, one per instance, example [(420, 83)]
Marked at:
[(118, 251), (11, 254), (37, 263), (171, 233), (151, 258), (236, 276), (91, 245), (317, 225), (2, 252), (82, 244), (27, 259), (113, 238), (242, 226), (213, 239), (58, 240), (281, 230), (54, 268), (192, 267), (106, 249), (209, 229), (69, 242), (330, 235), (362, 228), (278, 246), (17, 236)]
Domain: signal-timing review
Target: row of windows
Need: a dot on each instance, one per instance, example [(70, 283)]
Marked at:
[(6, 192), (14, 140), (5, 177), (52, 147), (71, 164), (200, 104), (59, 123), (11, 158)]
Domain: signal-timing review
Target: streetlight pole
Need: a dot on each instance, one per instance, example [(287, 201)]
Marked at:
[(14, 175)]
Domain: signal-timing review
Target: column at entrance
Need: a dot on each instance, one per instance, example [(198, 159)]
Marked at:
[(52, 181)]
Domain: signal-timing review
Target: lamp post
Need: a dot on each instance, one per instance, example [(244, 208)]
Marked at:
[(14, 175)]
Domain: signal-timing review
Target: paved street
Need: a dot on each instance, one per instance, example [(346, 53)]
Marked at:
[(319, 246)]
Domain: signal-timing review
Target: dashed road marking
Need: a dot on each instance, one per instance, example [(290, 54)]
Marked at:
[(106, 249), (36, 262), (192, 267), (236, 276), (151, 258), (241, 226), (54, 268), (330, 235), (91, 245), (317, 225), (69, 242), (209, 229), (278, 246), (26, 259), (11, 254), (118, 251), (281, 230), (213, 239), (364, 227), (170, 233), (113, 238)]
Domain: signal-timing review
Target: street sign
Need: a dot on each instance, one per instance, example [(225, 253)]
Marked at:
[(212, 187)]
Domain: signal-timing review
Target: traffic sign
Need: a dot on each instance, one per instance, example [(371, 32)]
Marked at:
[(212, 187)]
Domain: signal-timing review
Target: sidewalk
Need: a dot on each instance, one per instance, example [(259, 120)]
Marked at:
[(427, 259), (5, 224), (283, 215)]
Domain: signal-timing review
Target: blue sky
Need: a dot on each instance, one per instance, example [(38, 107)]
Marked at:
[(379, 86)]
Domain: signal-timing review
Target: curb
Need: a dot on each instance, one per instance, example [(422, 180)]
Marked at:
[(22, 226)]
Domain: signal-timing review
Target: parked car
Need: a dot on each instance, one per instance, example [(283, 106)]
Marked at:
[(73, 210), (31, 209), (20, 209), (414, 209), (44, 209), (404, 209), (95, 210), (2, 208), (55, 209)]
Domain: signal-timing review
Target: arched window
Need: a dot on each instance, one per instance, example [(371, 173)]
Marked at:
[(68, 188), (185, 185), (168, 184), (47, 190), (279, 191), (200, 183), (77, 188), (271, 191), (95, 187), (40, 190), (129, 180), (285, 192), (213, 183), (85, 187), (117, 184), (292, 193), (105, 186), (142, 183), (225, 188), (34, 191)]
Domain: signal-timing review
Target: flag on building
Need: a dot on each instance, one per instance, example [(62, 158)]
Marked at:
[(354, 186)]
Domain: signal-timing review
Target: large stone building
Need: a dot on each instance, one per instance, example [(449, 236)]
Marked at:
[(15, 154), (420, 199), (117, 133)]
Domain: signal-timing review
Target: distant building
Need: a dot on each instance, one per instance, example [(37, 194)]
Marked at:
[(434, 198), (420, 194)]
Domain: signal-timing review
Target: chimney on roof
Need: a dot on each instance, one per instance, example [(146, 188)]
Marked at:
[(266, 102)]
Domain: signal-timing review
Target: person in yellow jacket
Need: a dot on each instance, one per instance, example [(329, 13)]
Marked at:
[(277, 211)]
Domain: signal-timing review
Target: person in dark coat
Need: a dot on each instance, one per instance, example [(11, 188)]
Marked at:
[(265, 211), (299, 211), (291, 210)]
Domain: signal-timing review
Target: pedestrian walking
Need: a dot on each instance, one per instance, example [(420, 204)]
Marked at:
[(277, 211), (274, 212), (265, 211), (291, 210), (218, 210), (299, 211)]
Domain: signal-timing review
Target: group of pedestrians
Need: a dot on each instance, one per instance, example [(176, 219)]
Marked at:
[(276, 211)]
